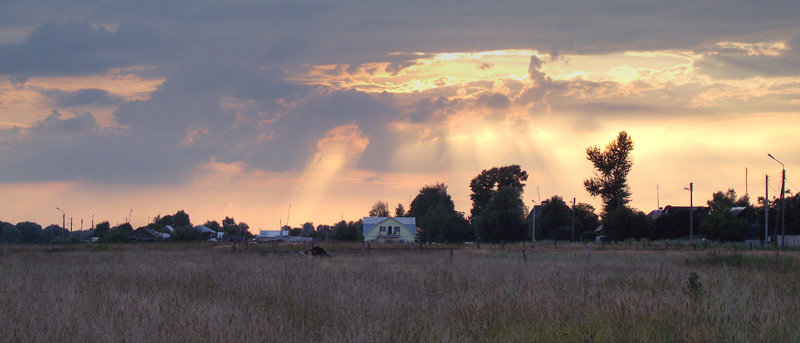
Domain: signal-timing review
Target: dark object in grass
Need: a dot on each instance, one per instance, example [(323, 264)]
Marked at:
[(315, 251)]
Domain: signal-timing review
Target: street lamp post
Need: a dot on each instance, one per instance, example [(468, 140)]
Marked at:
[(63, 218), (783, 205), (766, 210)]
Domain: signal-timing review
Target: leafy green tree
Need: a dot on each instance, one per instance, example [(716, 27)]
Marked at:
[(9, 233), (31, 232), (244, 230), (229, 226), (324, 231), (399, 211), (308, 229), (722, 225), (725, 201), (179, 219), (101, 229), (488, 182), (436, 216), (623, 223), (498, 213), (586, 220), (344, 231), (54, 233), (612, 165), (379, 209), (554, 220), (213, 225), (503, 219), (792, 214), (118, 234)]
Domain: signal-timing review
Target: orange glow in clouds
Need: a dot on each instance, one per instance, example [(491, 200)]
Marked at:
[(687, 126)]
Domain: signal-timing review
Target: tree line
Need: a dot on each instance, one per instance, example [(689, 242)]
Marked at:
[(498, 213)]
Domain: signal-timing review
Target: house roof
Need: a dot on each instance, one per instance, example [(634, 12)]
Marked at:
[(144, 234), (537, 208), (410, 223), (654, 214), (203, 228), (702, 209), (738, 210)]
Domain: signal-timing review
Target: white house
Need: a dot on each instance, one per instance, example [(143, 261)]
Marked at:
[(388, 229)]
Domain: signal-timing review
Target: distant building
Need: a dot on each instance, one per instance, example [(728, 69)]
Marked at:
[(654, 214), (389, 229), (144, 234), (279, 236), (271, 236)]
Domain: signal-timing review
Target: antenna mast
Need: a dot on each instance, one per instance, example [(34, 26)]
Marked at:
[(287, 214), (658, 198)]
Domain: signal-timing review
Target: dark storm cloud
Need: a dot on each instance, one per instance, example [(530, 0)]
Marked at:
[(73, 49), (83, 97), (355, 32), (76, 148), (739, 63), (225, 95)]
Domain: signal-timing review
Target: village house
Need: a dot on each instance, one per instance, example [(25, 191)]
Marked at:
[(389, 229)]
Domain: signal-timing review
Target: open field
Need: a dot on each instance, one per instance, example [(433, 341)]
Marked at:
[(205, 293)]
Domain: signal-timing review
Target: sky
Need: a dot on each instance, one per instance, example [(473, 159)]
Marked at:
[(276, 111)]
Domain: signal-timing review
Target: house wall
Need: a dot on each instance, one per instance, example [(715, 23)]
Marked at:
[(375, 232)]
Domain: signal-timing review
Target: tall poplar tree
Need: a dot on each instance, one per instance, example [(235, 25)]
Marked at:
[(612, 166)]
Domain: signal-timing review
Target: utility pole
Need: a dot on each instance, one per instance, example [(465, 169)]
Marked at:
[(533, 226), (573, 219), (691, 210), (287, 215), (658, 199), (766, 209), (783, 206)]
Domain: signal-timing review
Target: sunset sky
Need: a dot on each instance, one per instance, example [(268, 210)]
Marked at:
[(240, 108)]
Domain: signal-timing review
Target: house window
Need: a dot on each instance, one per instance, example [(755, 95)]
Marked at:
[(396, 230), (383, 229)]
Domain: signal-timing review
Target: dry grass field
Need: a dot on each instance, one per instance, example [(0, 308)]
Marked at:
[(205, 293)]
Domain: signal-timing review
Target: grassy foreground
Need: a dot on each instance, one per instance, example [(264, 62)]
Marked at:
[(205, 293)]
